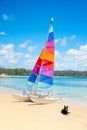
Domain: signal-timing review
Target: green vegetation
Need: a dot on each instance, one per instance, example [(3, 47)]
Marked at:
[(15, 71), (71, 73), (24, 72)]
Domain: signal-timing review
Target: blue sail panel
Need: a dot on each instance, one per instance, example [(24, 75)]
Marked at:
[(32, 78), (46, 79), (51, 36)]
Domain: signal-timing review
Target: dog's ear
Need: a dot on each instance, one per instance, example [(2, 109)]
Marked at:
[(67, 106)]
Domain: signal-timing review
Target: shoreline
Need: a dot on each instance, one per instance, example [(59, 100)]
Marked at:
[(73, 100), (29, 116)]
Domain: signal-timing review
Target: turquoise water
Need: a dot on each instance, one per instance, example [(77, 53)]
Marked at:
[(67, 87)]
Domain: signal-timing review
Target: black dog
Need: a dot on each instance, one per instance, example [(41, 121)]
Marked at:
[(65, 110)]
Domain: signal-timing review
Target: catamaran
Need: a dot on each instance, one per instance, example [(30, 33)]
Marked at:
[(43, 71)]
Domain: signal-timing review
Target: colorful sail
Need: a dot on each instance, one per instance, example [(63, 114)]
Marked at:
[(47, 56), (44, 66)]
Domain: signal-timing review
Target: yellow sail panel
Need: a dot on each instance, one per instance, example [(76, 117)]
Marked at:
[(47, 56), (42, 54)]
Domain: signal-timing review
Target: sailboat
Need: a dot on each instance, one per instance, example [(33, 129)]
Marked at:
[(42, 73), (44, 67)]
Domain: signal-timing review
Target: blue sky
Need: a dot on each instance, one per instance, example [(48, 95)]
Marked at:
[(24, 27)]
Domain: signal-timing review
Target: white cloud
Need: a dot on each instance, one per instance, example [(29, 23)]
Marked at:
[(25, 44), (57, 55), (64, 41), (56, 40), (30, 62), (73, 59), (2, 33), (73, 37), (8, 56), (5, 17), (83, 47), (27, 56), (31, 48)]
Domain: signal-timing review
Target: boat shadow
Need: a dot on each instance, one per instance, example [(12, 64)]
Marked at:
[(29, 103)]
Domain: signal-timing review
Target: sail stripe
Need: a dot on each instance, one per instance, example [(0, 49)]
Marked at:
[(47, 71), (46, 79), (49, 50), (47, 56), (39, 61), (36, 70), (48, 64), (50, 43), (51, 36), (32, 78)]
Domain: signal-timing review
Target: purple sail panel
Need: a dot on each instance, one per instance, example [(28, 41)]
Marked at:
[(46, 71), (36, 70), (50, 43)]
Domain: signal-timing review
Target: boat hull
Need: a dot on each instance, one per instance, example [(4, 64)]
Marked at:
[(22, 97), (43, 100), (26, 97)]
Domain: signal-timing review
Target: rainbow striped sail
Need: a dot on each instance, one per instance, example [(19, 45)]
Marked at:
[(44, 66)]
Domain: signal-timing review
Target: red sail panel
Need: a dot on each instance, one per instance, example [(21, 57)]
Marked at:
[(39, 61), (49, 50), (48, 64)]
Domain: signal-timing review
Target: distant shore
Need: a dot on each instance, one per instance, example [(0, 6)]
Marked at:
[(3, 75), (24, 72), (22, 76)]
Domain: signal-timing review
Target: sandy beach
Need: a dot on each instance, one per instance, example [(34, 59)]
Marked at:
[(16, 115)]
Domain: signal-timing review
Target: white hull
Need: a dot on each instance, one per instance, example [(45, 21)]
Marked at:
[(22, 97), (43, 100)]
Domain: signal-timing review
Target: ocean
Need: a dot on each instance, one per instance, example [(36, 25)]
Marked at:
[(69, 88)]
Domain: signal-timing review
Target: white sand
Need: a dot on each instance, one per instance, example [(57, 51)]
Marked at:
[(15, 115)]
